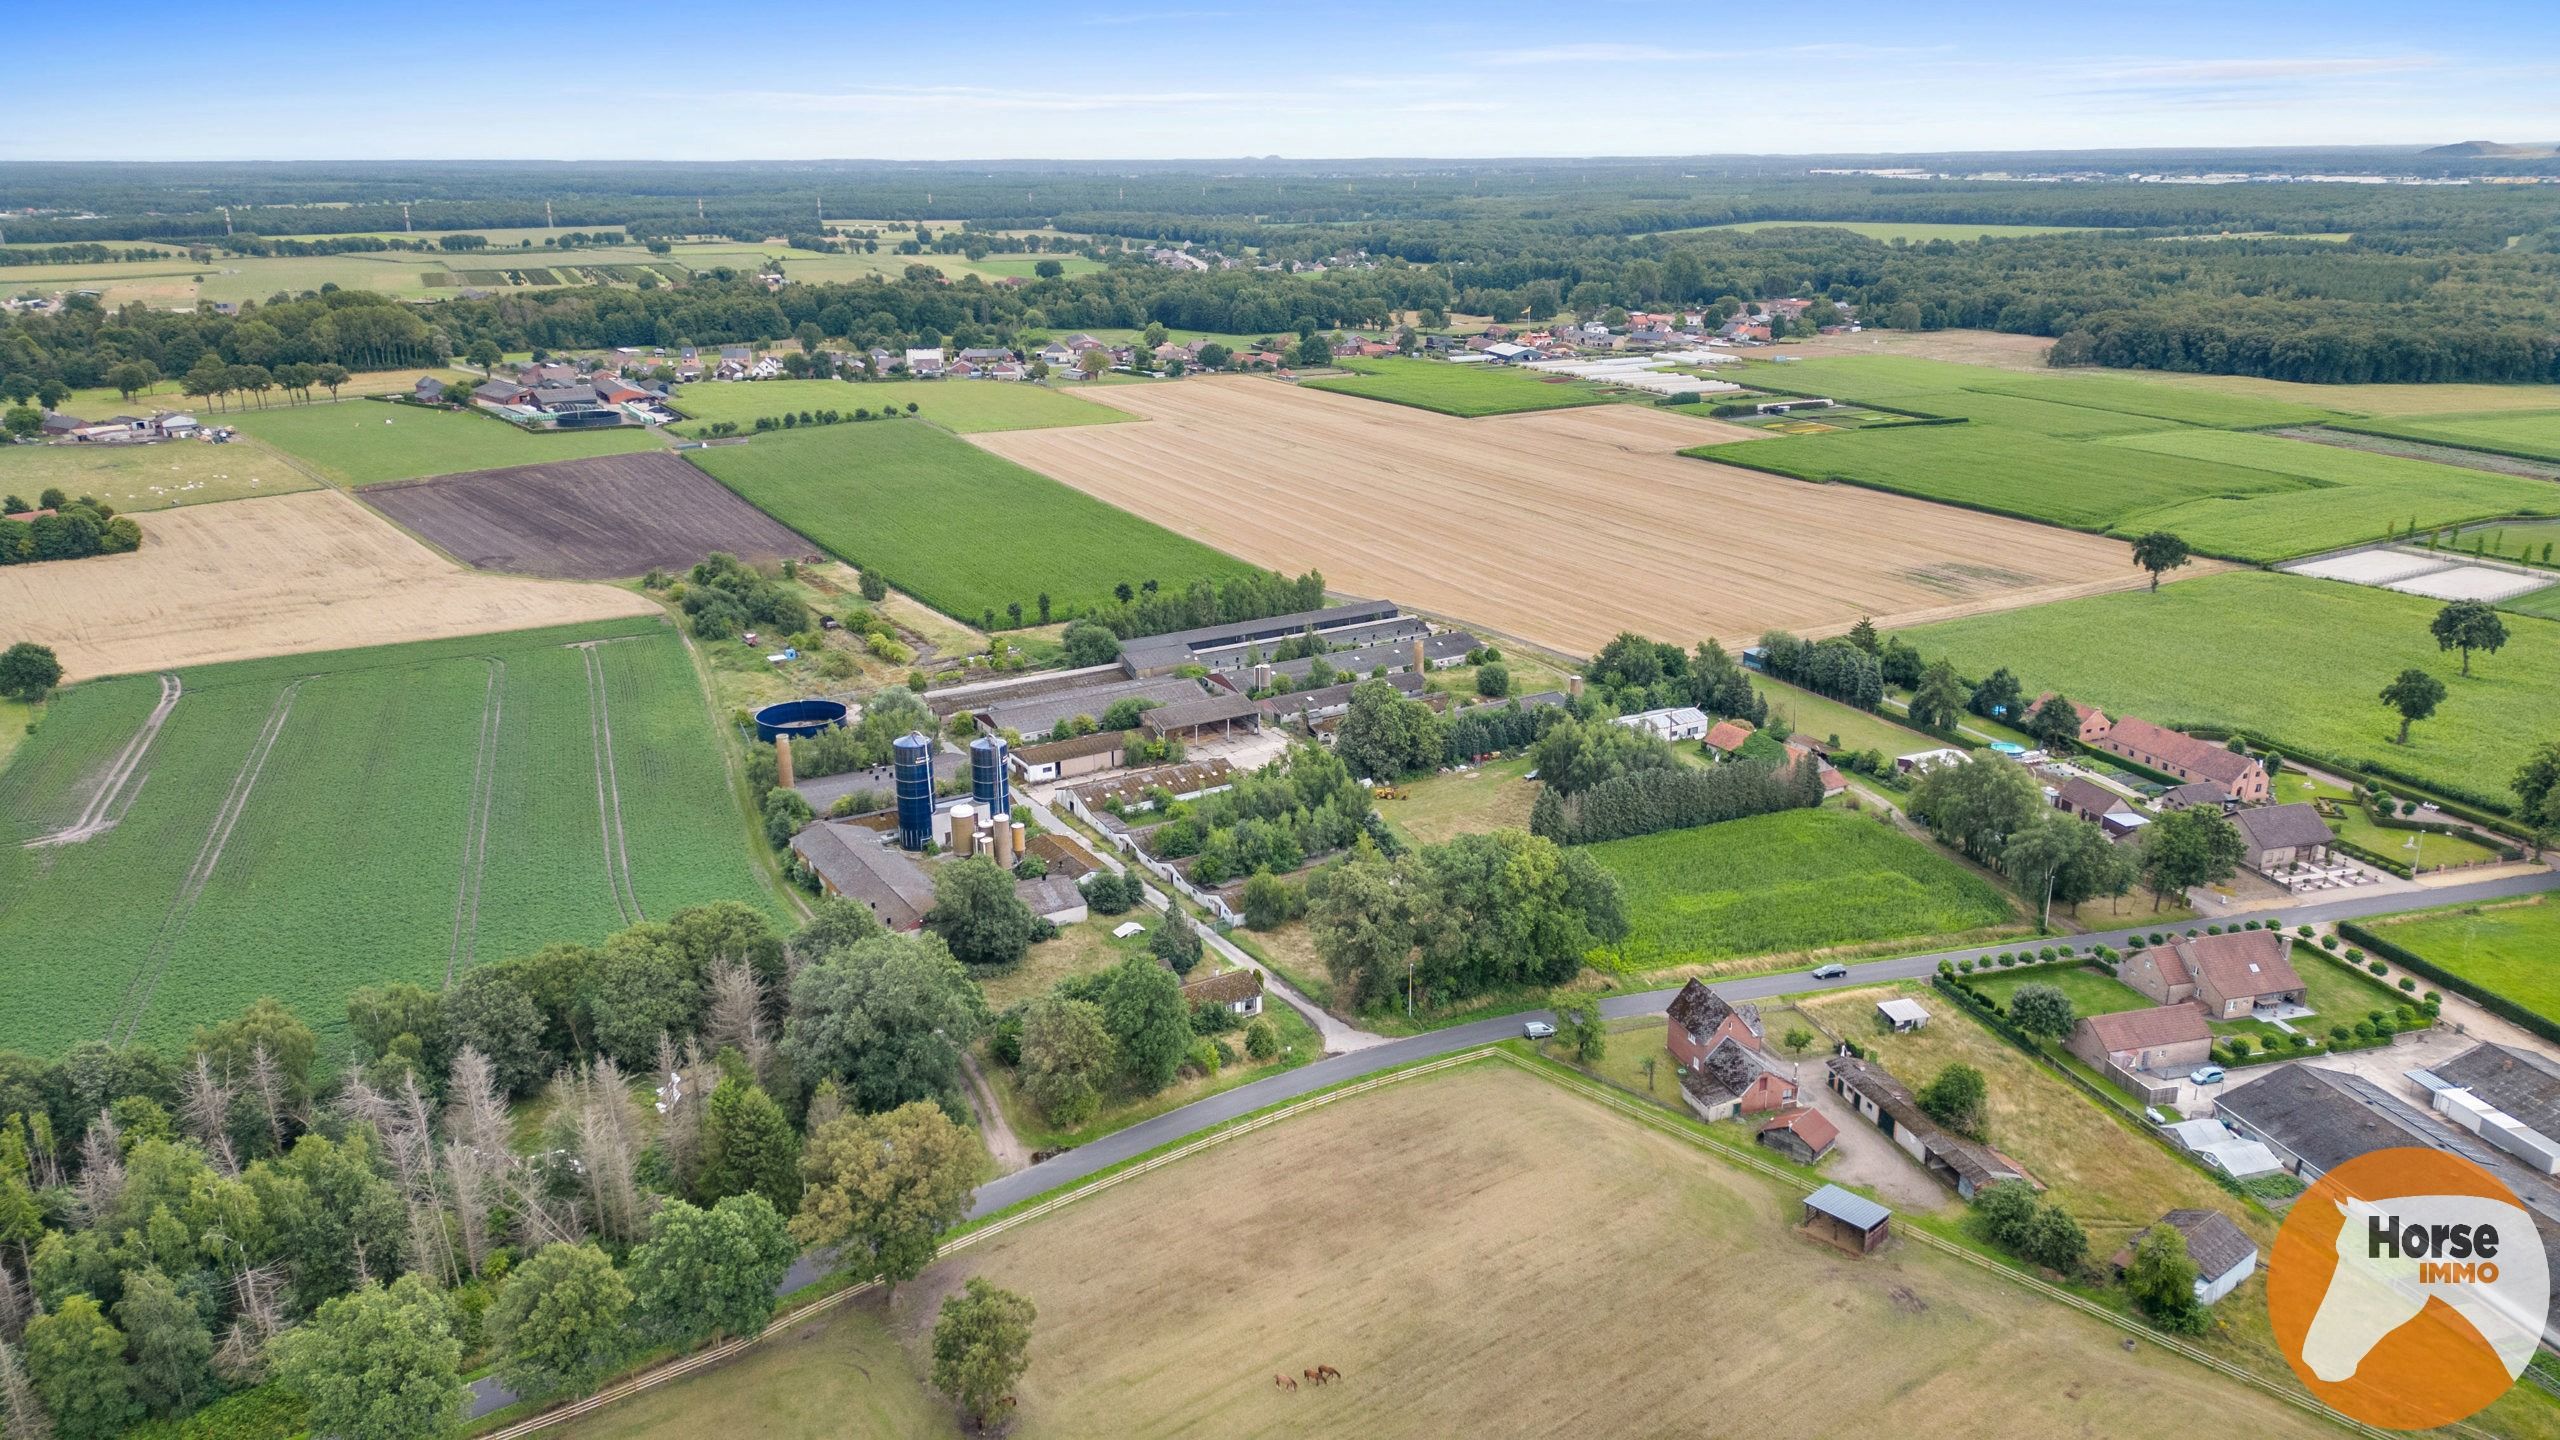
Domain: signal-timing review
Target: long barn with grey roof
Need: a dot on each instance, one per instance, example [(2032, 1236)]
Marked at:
[(1226, 647), (1037, 715)]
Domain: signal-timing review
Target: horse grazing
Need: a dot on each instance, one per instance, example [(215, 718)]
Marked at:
[(1328, 1373), (1283, 1382), (1314, 1377)]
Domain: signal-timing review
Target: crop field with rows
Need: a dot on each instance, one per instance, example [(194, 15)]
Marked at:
[(300, 827)]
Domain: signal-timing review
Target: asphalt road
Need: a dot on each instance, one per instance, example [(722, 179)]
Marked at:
[(1173, 1125)]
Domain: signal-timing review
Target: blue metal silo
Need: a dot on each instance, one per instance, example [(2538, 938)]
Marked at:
[(912, 756), (988, 784)]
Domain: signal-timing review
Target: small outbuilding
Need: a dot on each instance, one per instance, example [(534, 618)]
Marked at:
[(2224, 1256), (1852, 1222), (1904, 1016), (1801, 1133)]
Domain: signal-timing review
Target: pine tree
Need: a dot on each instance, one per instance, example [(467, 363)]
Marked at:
[(748, 1149)]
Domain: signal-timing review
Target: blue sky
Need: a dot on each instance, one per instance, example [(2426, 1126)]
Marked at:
[(612, 79)]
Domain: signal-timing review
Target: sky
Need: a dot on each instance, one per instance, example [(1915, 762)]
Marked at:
[(1142, 79)]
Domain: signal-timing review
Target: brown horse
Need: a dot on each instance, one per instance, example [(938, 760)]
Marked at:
[(1283, 1382), (1328, 1373), (1313, 1377)]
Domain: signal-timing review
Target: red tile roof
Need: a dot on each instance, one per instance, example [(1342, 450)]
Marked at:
[(2144, 1029)]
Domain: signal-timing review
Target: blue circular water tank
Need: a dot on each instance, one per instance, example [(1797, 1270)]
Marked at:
[(798, 718)]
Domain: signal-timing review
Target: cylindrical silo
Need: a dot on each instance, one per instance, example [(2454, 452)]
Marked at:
[(782, 761), (987, 782), (1004, 839), (1021, 840), (1419, 663), (964, 828), (912, 756)]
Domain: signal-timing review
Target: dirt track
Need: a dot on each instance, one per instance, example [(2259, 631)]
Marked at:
[(273, 576), (1562, 528), (600, 519)]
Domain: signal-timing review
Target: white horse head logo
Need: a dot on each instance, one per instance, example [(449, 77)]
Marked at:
[(2480, 1256)]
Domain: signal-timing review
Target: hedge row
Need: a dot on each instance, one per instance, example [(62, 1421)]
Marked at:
[(2481, 995)]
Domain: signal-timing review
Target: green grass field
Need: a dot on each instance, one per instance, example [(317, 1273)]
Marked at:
[(2361, 496), (150, 477), (2523, 540), (2082, 486), (2504, 948), (2544, 603), (966, 407), (1794, 711), (1901, 381), (2043, 417), (1467, 391), (960, 529), (1800, 880), (359, 442), (350, 818), (2536, 436), (2295, 660), (2090, 992)]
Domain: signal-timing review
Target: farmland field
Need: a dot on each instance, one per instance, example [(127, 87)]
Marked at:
[(601, 519), (2536, 436), (2314, 652), (299, 827), (2544, 602), (164, 394), (1436, 512), (2360, 497), (2507, 949), (273, 576), (1901, 381), (1468, 391), (962, 406), (135, 478), (361, 443), (1796, 882), (1456, 1317), (960, 529)]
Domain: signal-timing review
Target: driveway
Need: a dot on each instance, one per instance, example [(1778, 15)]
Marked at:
[(1867, 1156)]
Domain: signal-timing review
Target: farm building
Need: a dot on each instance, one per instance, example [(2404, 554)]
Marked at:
[(1208, 717), (1439, 652), (1800, 1133), (2094, 723), (1066, 857), (1066, 759), (1698, 1019), (1725, 1067), (2088, 800), (1726, 737), (1240, 990), (2216, 1148), (2278, 837), (2194, 792), (862, 864), (1227, 647), (1852, 1222), (2184, 757), (1679, 722), (2224, 1257), (1041, 714), (1902, 1016), (1310, 707), (1921, 762), (2231, 975), (2506, 1095), (1965, 1165), (1183, 782), (1054, 898), (2164, 1039)]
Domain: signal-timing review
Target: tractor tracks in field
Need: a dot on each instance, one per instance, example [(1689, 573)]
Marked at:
[(464, 946), (136, 1000), (117, 788), (617, 851)]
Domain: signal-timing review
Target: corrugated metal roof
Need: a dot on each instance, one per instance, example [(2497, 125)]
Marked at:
[(1847, 1208)]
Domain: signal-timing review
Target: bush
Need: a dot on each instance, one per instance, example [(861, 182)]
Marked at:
[(1262, 1038), (2303, 930), (2328, 942), (2338, 1034), (2378, 968), (2240, 1047)]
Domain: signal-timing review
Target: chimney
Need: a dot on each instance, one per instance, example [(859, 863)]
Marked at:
[(1004, 841), (1573, 686), (782, 761), (1419, 664)]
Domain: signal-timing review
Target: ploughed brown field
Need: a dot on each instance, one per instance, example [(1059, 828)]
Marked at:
[(277, 575), (599, 519), (1561, 528)]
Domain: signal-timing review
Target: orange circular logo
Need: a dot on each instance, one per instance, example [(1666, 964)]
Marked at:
[(2408, 1288)]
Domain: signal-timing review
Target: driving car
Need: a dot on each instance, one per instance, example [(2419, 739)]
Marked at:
[(1539, 1030), (1831, 972)]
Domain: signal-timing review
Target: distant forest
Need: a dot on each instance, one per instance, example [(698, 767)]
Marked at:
[(2431, 283)]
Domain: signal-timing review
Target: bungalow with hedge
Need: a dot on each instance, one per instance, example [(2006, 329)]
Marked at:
[(2232, 976), (2164, 1039)]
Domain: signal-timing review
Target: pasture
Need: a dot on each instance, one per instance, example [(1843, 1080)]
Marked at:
[(962, 406), (1438, 808), (602, 519), (960, 529), (136, 478), (2314, 653), (368, 443), (164, 394), (1467, 1307), (1467, 391), (1628, 536), (299, 827), (2544, 603), (2506, 948), (273, 576), (2533, 435), (1903, 380), (1800, 882)]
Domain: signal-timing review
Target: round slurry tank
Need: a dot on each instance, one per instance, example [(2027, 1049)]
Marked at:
[(798, 719), (911, 756)]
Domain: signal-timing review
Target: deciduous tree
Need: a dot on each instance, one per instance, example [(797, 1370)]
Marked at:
[(883, 1187), (711, 1272), (1955, 1098), (981, 1346), (2415, 694), (886, 1018), (75, 1356), (2159, 552), (377, 1364), (977, 913), (2041, 1010), (561, 1321), (2468, 625)]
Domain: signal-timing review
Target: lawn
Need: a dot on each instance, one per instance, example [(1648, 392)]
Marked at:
[(1467, 391), (150, 477), (1084, 948), (368, 442), (354, 817), (2544, 603), (1299, 1045), (2532, 540), (2337, 994), (1801, 712), (1436, 808), (2507, 948), (1795, 883), (2354, 824), (2294, 660), (2362, 496), (2061, 482), (841, 1376), (2091, 993), (2534, 435), (966, 407), (962, 530)]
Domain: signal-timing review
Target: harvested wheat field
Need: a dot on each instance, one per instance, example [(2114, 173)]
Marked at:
[(277, 575), (1562, 1261), (1561, 528)]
